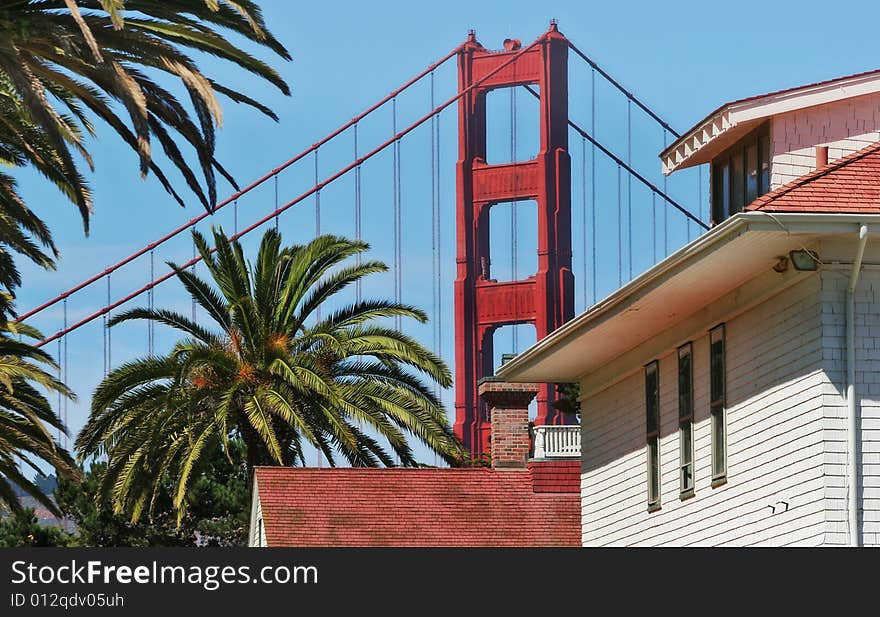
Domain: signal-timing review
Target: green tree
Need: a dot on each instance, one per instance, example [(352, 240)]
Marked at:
[(24, 530), (98, 525), (568, 402), (269, 373), (219, 514), (46, 484)]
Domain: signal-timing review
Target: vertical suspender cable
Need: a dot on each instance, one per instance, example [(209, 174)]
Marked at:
[(395, 182), (435, 308), (619, 230), (398, 235), (399, 228), (193, 270), (584, 214), (434, 274), (275, 182), (109, 331), (629, 186), (317, 218), (394, 199), (105, 332), (66, 375), (61, 379), (700, 194), (357, 207), (654, 225), (687, 229), (665, 210), (317, 199), (235, 216), (152, 303), (439, 283), (593, 265)]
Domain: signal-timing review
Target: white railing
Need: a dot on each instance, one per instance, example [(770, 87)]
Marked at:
[(553, 441)]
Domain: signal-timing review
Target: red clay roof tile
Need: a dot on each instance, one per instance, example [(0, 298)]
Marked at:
[(850, 184), (421, 507)]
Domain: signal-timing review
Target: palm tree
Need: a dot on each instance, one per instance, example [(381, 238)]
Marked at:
[(269, 373), (65, 63), (27, 418)]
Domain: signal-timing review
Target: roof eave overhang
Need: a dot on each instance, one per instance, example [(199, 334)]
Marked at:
[(691, 148), (788, 228)]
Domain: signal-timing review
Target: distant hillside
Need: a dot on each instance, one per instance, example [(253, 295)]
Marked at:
[(47, 485)]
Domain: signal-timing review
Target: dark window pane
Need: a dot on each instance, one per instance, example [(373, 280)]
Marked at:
[(719, 444), (717, 374), (686, 444), (751, 173), (716, 367), (717, 395), (685, 383), (652, 398), (725, 184), (719, 191), (652, 404), (653, 470), (738, 181), (764, 155), (687, 478)]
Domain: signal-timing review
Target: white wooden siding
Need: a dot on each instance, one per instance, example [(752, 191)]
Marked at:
[(257, 531), (867, 332), (776, 452), (845, 126)]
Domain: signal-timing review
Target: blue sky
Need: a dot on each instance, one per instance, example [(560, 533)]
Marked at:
[(683, 59)]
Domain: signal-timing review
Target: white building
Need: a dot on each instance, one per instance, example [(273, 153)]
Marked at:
[(731, 394)]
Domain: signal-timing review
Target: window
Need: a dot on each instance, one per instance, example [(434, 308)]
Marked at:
[(737, 198), (686, 420), (751, 173), (764, 154), (717, 402), (652, 404), (720, 192), (740, 175)]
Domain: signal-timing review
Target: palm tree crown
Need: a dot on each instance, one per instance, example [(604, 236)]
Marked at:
[(66, 63), (27, 419), (270, 372)]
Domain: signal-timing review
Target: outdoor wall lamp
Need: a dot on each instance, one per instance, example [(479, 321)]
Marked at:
[(804, 260)]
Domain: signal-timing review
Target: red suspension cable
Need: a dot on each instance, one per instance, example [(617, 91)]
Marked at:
[(298, 199), (234, 197)]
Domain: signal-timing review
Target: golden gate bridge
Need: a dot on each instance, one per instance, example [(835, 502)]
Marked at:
[(597, 213)]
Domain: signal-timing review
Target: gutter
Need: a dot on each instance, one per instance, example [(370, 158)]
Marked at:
[(852, 475), (727, 230), (741, 222)]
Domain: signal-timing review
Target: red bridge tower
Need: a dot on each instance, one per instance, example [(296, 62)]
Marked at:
[(546, 299)]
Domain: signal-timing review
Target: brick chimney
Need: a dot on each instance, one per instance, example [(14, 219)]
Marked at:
[(509, 412)]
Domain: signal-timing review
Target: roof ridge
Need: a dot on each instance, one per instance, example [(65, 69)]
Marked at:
[(823, 82), (811, 176), (756, 97)]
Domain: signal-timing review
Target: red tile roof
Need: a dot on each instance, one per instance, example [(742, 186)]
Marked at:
[(421, 507), (556, 476), (850, 184)]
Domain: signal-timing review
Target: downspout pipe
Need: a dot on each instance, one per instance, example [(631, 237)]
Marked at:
[(852, 423)]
